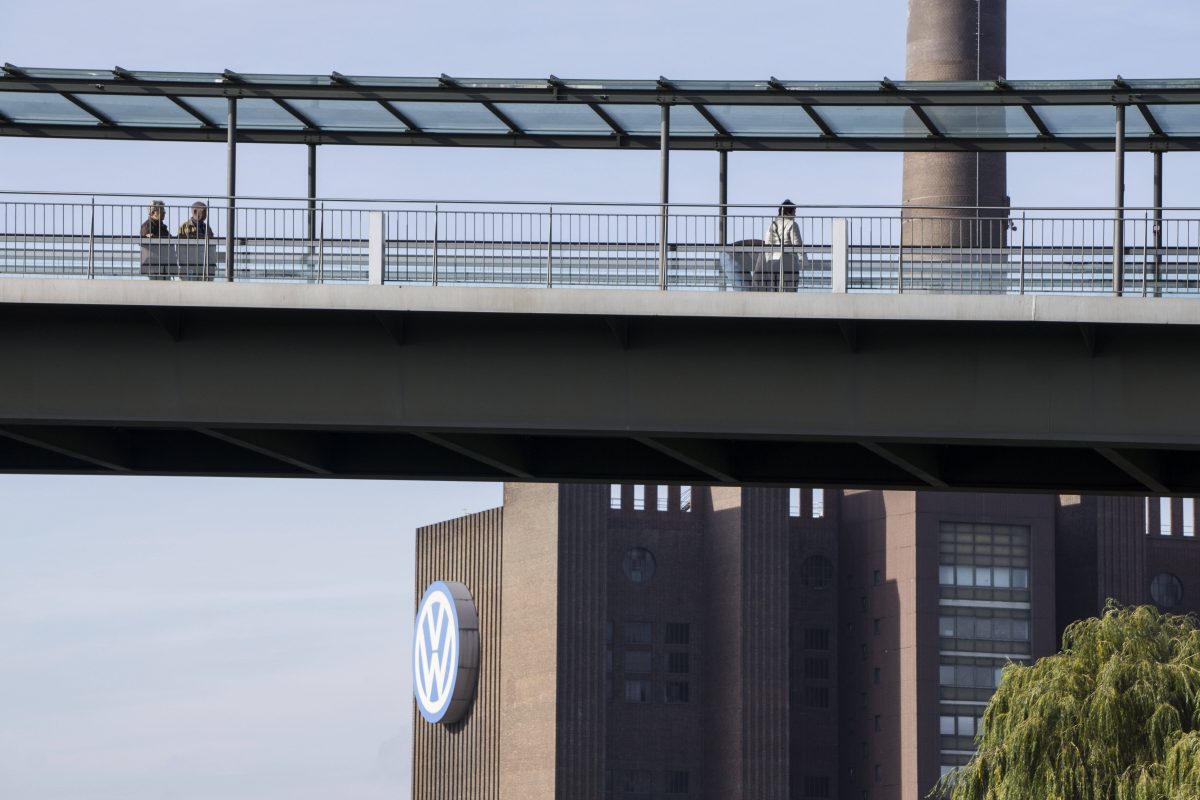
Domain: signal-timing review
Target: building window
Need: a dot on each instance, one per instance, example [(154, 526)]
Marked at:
[(685, 498), (875, 625), (816, 668), (979, 675), (816, 638), (876, 578), (637, 691), (637, 661), (1166, 591), (678, 663), (677, 782), (816, 786), (639, 497), (993, 628), (946, 725), (875, 676), (1189, 516), (638, 632), (639, 781), (677, 633), (677, 692), (878, 774), (984, 556), (818, 501), (816, 696), (638, 564), (878, 723), (793, 502), (1164, 516), (816, 572), (614, 496)]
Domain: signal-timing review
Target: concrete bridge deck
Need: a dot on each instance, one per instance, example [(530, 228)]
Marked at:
[(1049, 393)]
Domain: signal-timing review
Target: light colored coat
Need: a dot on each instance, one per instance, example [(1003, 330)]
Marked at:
[(785, 234)]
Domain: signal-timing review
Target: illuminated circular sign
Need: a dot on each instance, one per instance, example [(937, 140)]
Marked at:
[(445, 652)]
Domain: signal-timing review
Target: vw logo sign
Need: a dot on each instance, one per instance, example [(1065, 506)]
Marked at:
[(445, 652)]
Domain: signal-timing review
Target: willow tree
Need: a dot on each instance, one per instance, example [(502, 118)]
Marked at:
[(1114, 716)]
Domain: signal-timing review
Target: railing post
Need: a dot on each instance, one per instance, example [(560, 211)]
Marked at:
[(321, 247), (900, 261), (1021, 289), (435, 246), (1145, 250), (550, 249), (375, 248), (92, 243), (839, 254)]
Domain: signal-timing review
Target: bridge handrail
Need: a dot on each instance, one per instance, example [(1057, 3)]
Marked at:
[(896, 249)]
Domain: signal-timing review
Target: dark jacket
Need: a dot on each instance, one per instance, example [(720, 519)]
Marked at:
[(158, 258), (195, 229)]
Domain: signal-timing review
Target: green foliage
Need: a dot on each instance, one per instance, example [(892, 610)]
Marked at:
[(1114, 716)]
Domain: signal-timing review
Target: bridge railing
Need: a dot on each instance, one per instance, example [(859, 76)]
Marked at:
[(884, 250)]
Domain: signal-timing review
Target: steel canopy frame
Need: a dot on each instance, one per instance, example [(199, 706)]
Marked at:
[(180, 90)]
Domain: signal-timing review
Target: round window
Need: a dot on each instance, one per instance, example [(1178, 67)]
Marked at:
[(638, 565), (1166, 590), (816, 572)]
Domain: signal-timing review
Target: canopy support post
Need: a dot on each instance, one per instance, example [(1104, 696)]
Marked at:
[(664, 190), (231, 186)]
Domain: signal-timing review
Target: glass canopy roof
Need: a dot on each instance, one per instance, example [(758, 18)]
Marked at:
[(553, 112)]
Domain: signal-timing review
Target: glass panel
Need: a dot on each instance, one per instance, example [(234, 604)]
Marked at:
[(1090, 121), (999, 121), (1177, 120), (983, 576), (765, 120), (966, 726), (1020, 578), (1002, 630), (135, 109), (644, 119), (897, 121), (452, 117), (637, 661), (1164, 516), (637, 691), (946, 725), (945, 675), (1001, 577), (966, 627), (349, 115), (946, 575), (256, 113), (946, 626), (965, 576), (554, 118), (37, 107), (1020, 630)]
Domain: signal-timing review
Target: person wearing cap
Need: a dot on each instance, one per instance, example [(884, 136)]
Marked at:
[(158, 258), (197, 259), (779, 269)]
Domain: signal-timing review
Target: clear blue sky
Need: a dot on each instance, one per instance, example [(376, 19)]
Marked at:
[(188, 639)]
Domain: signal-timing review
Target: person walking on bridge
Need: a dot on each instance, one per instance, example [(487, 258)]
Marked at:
[(781, 265)]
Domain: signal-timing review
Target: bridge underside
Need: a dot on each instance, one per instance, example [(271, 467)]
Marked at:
[(1008, 393)]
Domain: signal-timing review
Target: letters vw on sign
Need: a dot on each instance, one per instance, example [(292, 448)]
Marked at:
[(445, 652)]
